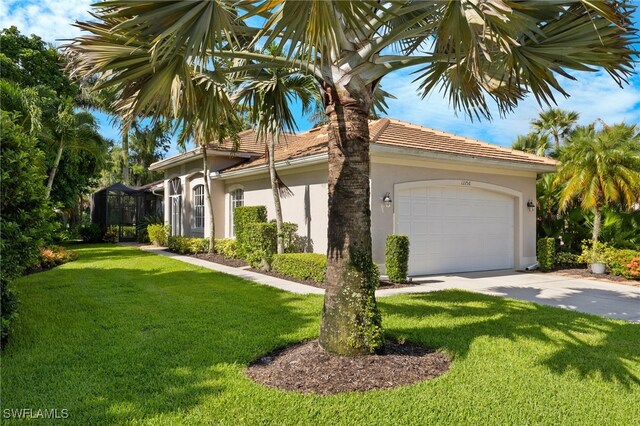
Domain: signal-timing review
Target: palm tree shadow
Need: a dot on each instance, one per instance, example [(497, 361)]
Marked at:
[(585, 344)]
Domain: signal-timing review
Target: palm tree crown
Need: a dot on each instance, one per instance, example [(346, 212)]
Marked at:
[(556, 123), (600, 168)]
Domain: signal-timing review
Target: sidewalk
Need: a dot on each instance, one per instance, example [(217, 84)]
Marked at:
[(256, 277), (583, 295)]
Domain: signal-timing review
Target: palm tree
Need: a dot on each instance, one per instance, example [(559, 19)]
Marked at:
[(532, 143), (266, 94), (601, 168), (75, 130), (472, 51), (555, 122)]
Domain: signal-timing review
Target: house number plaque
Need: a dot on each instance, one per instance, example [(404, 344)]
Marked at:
[(465, 182)]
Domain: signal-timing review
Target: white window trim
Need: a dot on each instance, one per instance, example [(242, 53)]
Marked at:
[(199, 186), (232, 189)]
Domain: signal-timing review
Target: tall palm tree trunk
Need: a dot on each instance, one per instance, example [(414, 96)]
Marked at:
[(126, 174), (54, 169), (207, 190), (275, 189), (597, 223), (351, 322)]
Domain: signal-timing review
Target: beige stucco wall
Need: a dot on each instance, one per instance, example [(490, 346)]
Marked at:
[(308, 205), (386, 173), (190, 174)]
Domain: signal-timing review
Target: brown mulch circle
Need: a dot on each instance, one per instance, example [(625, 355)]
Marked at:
[(218, 258), (307, 368)]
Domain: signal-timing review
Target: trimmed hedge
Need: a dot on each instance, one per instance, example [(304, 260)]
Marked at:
[(568, 260), (243, 216), (397, 258), (261, 244), (546, 252), (227, 247), (186, 245), (158, 234), (303, 266)]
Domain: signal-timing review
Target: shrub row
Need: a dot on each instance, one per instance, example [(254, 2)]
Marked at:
[(227, 247), (303, 266), (187, 245)]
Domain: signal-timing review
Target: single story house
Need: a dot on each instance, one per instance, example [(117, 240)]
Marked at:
[(466, 205)]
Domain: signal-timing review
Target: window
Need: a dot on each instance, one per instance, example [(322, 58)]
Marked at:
[(237, 200), (175, 206), (198, 207)]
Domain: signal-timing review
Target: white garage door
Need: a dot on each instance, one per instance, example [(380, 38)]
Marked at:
[(456, 229)]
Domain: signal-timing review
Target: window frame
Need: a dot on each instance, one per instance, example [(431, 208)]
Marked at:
[(233, 203), (198, 207)]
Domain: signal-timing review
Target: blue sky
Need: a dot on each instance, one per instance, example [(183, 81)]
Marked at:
[(594, 95)]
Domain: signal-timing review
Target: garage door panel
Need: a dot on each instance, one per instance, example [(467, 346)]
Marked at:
[(454, 229)]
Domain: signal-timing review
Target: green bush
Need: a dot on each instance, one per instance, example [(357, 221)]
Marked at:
[(293, 243), (26, 221), (50, 257), (260, 245), (158, 234), (621, 262), (228, 247), (397, 258), (90, 233), (243, 216), (111, 235), (187, 245), (568, 260), (9, 304), (546, 252), (303, 266), (594, 252)]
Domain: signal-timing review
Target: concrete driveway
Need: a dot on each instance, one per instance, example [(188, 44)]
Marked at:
[(584, 295)]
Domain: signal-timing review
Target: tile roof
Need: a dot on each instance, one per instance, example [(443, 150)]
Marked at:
[(247, 143), (396, 133)]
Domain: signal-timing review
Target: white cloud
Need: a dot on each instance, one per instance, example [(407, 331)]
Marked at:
[(49, 19), (593, 95)]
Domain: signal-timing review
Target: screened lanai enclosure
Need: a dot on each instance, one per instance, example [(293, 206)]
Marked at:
[(126, 211)]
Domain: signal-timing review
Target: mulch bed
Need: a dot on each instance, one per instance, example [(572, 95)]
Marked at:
[(307, 368), (586, 273), (218, 258), (238, 263), (383, 284)]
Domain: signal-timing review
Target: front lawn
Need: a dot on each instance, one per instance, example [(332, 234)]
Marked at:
[(124, 336)]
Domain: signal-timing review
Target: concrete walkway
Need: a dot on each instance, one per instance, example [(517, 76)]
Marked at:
[(286, 285), (595, 297)]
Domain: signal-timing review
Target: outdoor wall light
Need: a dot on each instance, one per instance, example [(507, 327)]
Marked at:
[(387, 199), (531, 205)]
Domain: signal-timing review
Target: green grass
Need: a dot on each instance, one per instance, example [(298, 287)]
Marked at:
[(122, 336)]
